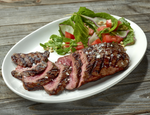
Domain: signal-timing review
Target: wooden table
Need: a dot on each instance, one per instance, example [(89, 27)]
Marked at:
[(131, 96)]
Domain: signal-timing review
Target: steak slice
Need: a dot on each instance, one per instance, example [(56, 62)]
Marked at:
[(60, 82), (36, 69), (76, 71), (28, 60), (37, 81), (88, 60), (65, 60), (73, 60), (101, 60)]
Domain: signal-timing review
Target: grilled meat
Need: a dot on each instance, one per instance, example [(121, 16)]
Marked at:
[(102, 60), (71, 71), (36, 69), (37, 81), (30, 59), (60, 82), (72, 60)]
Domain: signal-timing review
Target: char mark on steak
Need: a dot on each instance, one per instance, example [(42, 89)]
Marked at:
[(60, 82), (34, 70), (103, 60), (76, 71), (28, 60), (73, 60), (88, 60), (34, 82), (71, 71)]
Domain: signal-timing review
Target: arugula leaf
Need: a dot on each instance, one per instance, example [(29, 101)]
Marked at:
[(56, 38), (57, 43), (66, 39), (44, 46), (63, 51), (73, 49)]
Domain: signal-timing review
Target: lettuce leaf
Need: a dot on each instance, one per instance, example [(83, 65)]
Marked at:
[(88, 12), (68, 22), (81, 32), (125, 25), (129, 40)]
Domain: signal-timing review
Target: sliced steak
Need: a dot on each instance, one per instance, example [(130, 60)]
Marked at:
[(28, 60), (60, 82), (76, 71), (103, 60), (73, 60), (37, 81), (34, 70), (65, 60), (88, 60)]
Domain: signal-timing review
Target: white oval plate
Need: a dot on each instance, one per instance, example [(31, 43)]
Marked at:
[(31, 42)]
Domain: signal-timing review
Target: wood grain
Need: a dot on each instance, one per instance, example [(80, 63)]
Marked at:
[(131, 96)]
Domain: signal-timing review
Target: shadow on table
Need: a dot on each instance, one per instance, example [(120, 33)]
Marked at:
[(103, 102)]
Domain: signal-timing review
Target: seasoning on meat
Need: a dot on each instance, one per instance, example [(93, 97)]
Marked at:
[(71, 71)]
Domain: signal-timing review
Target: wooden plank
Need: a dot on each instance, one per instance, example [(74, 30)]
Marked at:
[(47, 13)]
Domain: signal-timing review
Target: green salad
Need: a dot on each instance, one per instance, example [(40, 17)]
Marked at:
[(85, 28)]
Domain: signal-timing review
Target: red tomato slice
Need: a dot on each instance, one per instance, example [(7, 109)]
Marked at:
[(108, 23), (108, 38), (119, 39), (69, 35), (80, 46), (119, 22), (97, 41), (91, 31), (101, 28)]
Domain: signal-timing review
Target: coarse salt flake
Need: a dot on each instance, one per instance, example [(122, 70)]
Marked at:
[(98, 56)]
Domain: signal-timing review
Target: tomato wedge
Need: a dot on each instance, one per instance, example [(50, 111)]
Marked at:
[(91, 31), (109, 23), (118, 39), (97, 41), (80, 46), (69, 35), (110, 38), (101, 28)]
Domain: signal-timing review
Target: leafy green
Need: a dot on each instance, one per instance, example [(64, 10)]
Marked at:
[(68, 22), (78, 25), (108, 16), (57, 43), (63, 51), (129, 40), (106, 30), (81, 32), (93, 22), (125, 25), (87, 12)]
